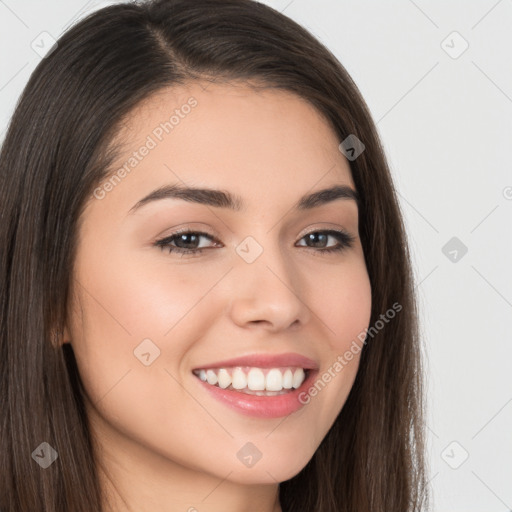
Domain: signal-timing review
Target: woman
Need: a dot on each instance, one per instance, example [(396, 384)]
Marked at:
[(207, 298)]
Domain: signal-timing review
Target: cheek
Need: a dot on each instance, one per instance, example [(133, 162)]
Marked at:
[(116, 316), (130, 313), (137, 297), (343, 304)]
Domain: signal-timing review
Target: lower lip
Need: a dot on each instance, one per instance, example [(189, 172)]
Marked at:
[(262, 406)]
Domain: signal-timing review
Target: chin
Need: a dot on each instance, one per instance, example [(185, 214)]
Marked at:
[(278, 468)]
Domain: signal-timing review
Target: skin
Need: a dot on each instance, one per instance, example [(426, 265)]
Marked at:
[(163, 443)]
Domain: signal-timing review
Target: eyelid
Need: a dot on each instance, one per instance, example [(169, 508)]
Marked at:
[(331, 228), (190, 228), (165, 241), (345, 241), (344, 237)]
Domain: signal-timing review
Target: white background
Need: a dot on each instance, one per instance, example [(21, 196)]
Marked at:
[(446, 124)]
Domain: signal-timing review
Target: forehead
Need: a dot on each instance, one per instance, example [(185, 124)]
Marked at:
[(265, 141)]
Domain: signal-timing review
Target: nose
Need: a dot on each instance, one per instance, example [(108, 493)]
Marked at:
[(268, 292)]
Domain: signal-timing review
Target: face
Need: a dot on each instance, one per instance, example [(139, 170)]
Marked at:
[(174, 284)]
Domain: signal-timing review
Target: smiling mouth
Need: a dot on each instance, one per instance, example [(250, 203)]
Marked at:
[(253, 380)]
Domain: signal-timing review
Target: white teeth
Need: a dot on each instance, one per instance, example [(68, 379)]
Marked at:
[(298, 378), (211, 377), (288, 379), (256, 380), (224, 378), (274, 380), (253, 379), (239, 380)]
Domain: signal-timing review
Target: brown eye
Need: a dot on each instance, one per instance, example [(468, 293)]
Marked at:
[(185, 242), (319, 240)]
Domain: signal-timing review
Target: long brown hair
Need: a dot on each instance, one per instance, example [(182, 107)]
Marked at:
[(57, 150)]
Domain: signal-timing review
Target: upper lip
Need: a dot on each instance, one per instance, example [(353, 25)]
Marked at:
[(265, 361)]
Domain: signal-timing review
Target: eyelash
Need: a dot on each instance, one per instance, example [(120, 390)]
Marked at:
[(346, 241)]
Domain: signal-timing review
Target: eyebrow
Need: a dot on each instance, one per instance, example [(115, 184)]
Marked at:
[(224, 199)]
